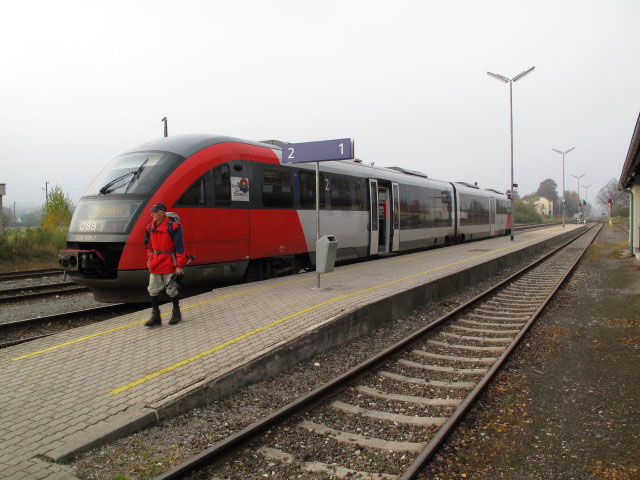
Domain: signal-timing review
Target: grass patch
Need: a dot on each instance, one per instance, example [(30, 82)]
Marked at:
[(614, 249), (31, 248)]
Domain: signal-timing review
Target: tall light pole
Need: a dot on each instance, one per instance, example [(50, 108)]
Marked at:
[(579, 177), (586, 199), (511, 81), (563, 154)]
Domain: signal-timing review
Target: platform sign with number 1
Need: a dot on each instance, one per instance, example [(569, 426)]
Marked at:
[(321, 151)]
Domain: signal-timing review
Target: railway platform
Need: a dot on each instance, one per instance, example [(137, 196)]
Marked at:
[(68, 392)]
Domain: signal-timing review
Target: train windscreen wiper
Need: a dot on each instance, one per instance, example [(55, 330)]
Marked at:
[(136, 175), (108, 188)]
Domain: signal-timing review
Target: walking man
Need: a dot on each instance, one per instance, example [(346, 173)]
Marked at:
[(165, 256)]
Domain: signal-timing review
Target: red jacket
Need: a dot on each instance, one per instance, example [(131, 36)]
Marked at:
[(165, 250)]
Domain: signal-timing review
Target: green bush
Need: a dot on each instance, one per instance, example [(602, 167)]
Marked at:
[(525, 212), (32, 244), (620, 212)]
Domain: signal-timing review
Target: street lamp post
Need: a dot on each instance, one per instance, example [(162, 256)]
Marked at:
[(510, 81), (563, 154), (586, 199), (579, 177)]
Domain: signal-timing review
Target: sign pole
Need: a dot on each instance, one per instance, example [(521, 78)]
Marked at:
[(317, 217), (321, 151)]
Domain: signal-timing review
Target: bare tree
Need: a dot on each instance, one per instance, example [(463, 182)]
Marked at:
[(610, 191)]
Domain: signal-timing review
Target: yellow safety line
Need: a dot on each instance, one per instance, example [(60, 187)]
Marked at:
[(98, 334), (104, 332), (288, 317), (71, 342)]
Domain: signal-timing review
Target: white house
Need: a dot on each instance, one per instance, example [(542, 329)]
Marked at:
[(543, 206)]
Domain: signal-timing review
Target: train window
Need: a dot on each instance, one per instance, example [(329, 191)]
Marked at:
[(340, 193), (374, 208), (424, 207), (473, 210), (502, 207), (195, 194), (307, 181), (360, 200), (222, 183), (276, 188), (134, 173)]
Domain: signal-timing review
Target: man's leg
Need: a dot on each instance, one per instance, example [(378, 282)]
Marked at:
[(156, 285), (173, 292)]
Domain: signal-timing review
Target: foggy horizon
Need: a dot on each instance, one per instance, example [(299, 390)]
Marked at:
[(85, 82)]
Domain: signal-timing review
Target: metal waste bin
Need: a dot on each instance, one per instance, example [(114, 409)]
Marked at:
[(326, 249)]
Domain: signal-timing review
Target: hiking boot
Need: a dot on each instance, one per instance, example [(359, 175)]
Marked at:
[(155, 313), (176, 316)]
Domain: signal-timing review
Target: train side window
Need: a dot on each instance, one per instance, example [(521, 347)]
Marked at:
[(276, 188), (340, 193), (222, 183), (307, 181), (195, 194), (360, 202)]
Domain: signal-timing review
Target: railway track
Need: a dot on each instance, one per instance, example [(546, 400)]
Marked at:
[(21, 294), (22, 331), (47, 272), (520, 227), (386, 417)]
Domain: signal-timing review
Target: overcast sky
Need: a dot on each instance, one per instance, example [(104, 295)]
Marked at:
[(83, 81)]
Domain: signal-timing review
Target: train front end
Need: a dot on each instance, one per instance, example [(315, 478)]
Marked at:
[(104, 220)]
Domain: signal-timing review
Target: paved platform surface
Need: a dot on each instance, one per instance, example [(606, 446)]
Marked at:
[(61, 391)]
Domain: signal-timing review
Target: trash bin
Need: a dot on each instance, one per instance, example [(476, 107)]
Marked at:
[(326, 249)]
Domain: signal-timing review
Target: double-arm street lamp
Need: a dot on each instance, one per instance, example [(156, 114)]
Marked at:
[(579, 177), (511, 81), (563, 154)]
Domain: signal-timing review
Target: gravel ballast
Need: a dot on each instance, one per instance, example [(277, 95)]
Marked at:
[(152, 451), (566, 404)]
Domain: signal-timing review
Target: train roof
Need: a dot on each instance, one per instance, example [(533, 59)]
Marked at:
[(188, 144)]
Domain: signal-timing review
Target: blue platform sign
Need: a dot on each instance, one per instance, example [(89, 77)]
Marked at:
[(322, 151)]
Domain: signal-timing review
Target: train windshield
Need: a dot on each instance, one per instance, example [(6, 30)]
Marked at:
[(134, 173)]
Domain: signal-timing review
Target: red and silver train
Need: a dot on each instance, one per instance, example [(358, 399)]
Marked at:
[(246, 215)]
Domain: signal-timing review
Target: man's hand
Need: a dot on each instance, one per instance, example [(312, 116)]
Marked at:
[(179, 271)]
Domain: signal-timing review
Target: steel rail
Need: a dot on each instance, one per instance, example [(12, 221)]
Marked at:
[(30, 274), (18, 341), (68, 315), (35, 288), (76, 314), (422, 459), (31, 296), (334, 386)]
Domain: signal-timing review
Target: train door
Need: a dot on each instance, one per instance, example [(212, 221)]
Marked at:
[(492, 215), (395, 217), (373, 221), (384, 217)]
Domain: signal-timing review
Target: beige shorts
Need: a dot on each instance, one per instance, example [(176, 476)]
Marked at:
[(158, 281)]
